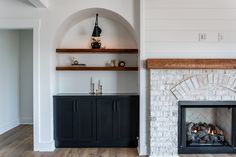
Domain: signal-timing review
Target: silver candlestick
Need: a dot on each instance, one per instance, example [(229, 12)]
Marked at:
[(91, 86)]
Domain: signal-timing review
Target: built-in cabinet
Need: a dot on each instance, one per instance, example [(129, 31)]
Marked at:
[(96, 121)]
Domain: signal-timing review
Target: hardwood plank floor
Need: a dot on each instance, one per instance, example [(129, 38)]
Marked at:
[(18, 142)]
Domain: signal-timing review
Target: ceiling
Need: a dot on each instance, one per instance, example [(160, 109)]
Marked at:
[(39, 3)]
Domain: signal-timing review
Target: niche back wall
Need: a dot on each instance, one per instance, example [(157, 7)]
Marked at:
[(114, 35)]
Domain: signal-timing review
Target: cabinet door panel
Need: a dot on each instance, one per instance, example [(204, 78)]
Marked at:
[(124, 118), (127, 112), (63, 118), (106, 119), (85, 119)]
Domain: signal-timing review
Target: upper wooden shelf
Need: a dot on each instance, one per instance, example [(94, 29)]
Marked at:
[(69, 50)]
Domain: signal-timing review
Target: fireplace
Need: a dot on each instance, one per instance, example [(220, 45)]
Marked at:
[(179, 88), (206, 127)]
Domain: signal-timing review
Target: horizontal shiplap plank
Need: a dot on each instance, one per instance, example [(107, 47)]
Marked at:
[(229, 25), (171, 36), (178, 13), (189, 4), (190, 36), (223, 50)]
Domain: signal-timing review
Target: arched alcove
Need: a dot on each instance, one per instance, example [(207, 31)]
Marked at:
[(76, 31), (81, 25)]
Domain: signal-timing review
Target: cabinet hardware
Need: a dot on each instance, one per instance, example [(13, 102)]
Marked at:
[(74, 106), (114, 106)]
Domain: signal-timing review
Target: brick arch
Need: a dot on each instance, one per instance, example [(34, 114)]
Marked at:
[(196, 85)]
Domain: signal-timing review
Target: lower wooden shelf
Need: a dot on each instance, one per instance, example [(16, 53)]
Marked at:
[(75, 68)]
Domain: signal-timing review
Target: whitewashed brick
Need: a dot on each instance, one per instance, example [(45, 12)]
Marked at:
[(210, 78), (180, 90), (216, 77), (195, 82), (185, 87), (170, 86), (200, 81), (225, 80), (231, 82), (190, 84), (234, 85), (220, 80)]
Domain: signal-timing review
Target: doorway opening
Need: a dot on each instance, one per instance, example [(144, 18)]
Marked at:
[(16, 82)]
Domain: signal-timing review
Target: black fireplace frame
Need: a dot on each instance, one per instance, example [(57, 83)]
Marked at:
[(182, 145)]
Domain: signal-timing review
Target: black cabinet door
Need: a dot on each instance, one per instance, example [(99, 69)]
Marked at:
[(85, 120), (117, 121), (127, 110), (63, 118), (106, 120)]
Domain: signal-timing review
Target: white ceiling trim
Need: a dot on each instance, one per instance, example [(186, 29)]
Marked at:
[(39, 3)]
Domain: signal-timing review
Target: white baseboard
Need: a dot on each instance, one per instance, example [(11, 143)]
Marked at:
[(142, 150), (26, 120), (45, 146), (8, 126)]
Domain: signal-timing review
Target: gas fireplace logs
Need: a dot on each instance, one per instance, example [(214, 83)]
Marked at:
[(204, 134)]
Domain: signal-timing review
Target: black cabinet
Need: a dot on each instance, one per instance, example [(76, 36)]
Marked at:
[(74, 121), (96, 121)]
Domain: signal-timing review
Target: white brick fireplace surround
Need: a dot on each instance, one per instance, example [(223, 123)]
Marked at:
[(168, 85)]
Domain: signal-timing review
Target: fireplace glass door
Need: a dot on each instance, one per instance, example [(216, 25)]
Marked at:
[(206, 126)]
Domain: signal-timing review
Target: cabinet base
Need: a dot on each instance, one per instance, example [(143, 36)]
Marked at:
[(79, 144)]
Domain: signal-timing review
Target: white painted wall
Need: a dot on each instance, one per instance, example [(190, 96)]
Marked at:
[(114, 33), (26, 76), (51, 20), (16, 79), (9, 80)]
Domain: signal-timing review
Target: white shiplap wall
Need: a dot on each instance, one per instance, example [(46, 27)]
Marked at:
[(173, 28)]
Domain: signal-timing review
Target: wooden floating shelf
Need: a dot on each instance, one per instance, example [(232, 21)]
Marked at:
[(74, 68), (69, 50)]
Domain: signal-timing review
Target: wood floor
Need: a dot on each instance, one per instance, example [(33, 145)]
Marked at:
[(18, 142)]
